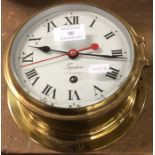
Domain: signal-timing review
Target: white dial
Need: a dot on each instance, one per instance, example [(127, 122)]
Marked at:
[(72, 58)]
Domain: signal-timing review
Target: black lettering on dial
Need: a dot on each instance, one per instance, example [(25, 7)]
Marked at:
[(113, 73), (109, 35), (49, 91), (117, 52), (72, 20), (34, 39), (50, 25), (32, 75), (27, 57), (93, 22), (73, 95), (97, 90)]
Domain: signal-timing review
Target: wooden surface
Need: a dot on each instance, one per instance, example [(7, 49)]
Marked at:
[(138, 13)]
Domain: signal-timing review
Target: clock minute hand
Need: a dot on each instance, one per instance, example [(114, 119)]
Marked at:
[(102, 56)]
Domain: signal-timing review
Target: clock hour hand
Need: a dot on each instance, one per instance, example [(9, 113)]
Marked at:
[(46, 49)]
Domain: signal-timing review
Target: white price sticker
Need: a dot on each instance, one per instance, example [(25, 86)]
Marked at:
[(98, 68), (69, 32)]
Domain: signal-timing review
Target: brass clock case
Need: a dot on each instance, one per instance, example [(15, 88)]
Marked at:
[(80, 129)]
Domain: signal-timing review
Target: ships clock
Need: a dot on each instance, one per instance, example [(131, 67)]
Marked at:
[(73, 75)]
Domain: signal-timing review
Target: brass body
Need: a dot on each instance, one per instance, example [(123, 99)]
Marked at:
[(80, 129)]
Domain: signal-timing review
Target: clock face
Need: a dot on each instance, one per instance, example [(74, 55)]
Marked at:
[(72, 56)]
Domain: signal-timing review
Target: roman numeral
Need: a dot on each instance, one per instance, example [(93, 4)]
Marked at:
[(27, 57), (50, 25), (73, 95), (34, 39), (109, 35), (48, 90), (93, 22), (117, 52), (72, 20), (97, 90), (32, 74), (113, 73)]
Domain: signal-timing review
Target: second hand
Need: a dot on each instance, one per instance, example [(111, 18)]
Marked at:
[(44, 60)]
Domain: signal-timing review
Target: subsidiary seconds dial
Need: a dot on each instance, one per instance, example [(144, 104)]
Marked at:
[(72, 59)]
